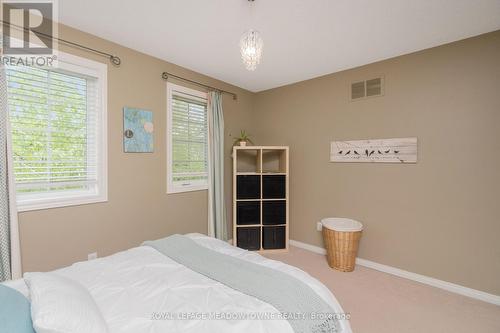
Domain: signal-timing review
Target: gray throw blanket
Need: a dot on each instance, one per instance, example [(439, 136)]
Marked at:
[(305, 310)]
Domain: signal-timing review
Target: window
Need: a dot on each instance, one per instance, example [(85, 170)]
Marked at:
[(187, 157), (58, 123)]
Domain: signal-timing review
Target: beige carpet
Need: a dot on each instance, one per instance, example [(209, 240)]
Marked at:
[(383, 303)]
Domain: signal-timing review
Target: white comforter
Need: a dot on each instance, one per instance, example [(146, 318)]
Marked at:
[(140, 290)]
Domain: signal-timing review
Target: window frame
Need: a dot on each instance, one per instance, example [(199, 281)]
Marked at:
[(75, 65), (172, 188)]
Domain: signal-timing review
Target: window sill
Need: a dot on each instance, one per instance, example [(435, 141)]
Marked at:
[(175, 190), (47, 204)]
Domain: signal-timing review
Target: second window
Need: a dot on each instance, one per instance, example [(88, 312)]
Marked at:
[(187, 139)]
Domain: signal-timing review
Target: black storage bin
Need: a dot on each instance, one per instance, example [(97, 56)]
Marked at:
[(273, 238), (274, 212), (248, 187), (248, 212), (248, 238), (274, 187)]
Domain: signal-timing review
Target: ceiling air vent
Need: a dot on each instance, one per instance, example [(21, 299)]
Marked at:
[(368, 88)]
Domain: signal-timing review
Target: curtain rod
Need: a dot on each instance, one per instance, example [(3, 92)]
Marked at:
[(115, 60), (165, 76)]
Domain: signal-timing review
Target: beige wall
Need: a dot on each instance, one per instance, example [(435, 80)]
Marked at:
[(138, 206), (436, 218), (439, 217)]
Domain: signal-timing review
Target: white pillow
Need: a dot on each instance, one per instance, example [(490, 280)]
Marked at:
[(62, 305)]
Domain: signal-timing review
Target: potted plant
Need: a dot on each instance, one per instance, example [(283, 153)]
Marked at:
[(243, 139)]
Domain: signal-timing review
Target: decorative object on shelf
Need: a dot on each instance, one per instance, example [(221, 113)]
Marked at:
[(137, 130), (401, 150), (243, 139), (251, 45)]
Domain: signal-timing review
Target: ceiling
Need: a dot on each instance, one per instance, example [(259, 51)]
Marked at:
[(302, 38)]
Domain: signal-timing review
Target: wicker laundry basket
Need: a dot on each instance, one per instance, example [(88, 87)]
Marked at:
[(341, 237)]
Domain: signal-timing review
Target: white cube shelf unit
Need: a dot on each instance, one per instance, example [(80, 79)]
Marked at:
[(260, 198)]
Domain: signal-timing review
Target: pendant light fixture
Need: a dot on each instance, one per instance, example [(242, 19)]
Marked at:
[(251, 45)]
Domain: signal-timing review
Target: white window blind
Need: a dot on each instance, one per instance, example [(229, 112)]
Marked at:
[(188, 141), (56, 123)]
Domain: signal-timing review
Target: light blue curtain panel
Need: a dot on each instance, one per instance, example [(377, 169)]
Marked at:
[(5, 269), (217, 226)]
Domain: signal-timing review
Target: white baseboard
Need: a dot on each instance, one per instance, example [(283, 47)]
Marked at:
[(448, 286), (309, 247)]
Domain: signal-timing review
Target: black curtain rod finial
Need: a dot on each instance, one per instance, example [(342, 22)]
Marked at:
[(115, 60)]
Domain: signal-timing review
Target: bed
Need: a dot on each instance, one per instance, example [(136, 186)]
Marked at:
[(139, 289)]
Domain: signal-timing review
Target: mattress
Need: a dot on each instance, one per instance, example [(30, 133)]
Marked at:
[(142, 291)]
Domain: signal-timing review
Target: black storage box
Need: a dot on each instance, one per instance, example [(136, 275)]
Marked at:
[(274, 212), (273, 238), (274, 187), (248, 212), (248, 238), (248, 187)]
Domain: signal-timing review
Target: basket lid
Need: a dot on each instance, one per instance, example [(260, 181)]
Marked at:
[(341, 224)]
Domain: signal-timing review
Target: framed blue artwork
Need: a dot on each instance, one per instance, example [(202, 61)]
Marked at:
[(137, 130)]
